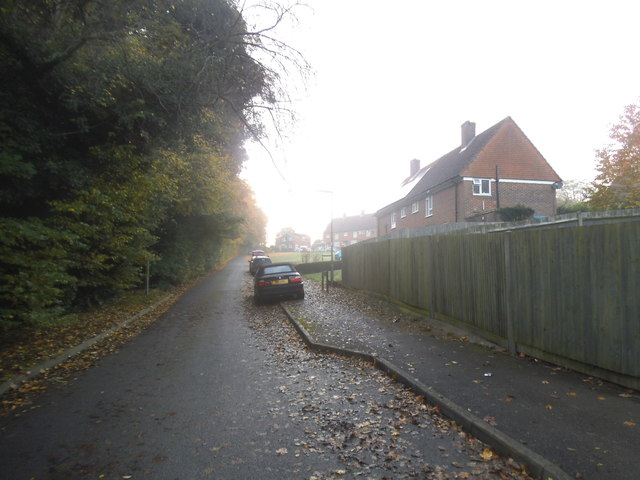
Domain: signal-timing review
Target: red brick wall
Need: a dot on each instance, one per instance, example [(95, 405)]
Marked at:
[(516, 156), (444, 205), (384, 224), (542, 198)]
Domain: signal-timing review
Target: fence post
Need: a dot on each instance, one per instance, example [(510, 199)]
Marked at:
[(511, 341), (433, 275)]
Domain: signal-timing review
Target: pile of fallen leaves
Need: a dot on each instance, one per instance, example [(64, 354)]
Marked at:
[(22, 351), (369, 424), (25, 347)]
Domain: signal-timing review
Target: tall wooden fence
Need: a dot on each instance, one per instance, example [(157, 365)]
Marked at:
[(568, 295)]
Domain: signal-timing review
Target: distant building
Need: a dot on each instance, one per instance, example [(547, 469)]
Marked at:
[(287, 240), (497, 168), (350, 230)]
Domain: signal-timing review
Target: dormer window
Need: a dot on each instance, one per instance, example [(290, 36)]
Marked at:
[(481, 186)]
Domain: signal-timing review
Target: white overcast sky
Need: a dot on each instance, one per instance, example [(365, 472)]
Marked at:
[(394, 80)]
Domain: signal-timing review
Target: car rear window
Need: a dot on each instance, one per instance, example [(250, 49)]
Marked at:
[(277, 269)]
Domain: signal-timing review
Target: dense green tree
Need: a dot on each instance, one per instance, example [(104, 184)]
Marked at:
[(122, 125), (33, 271)]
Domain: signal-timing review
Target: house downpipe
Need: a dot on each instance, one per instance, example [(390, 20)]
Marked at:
[(455, 200), (497, 187)]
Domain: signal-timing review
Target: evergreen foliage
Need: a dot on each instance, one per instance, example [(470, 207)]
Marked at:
[(122, 126), (515, 214), (574, 208)]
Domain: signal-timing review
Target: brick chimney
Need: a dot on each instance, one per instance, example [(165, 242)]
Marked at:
[(468, 132), (414, 166)]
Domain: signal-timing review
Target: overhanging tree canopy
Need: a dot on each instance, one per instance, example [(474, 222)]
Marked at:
[(122, 125)]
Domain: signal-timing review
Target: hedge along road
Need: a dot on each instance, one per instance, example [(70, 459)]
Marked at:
[(220, 388)]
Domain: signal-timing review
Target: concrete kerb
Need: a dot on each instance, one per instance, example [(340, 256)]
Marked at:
[(503, 444), (53, 362)]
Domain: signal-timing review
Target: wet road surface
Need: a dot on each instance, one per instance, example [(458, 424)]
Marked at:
[(219, 388)]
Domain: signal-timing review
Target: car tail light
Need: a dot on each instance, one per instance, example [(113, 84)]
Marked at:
[(263, 283), (295, 279)]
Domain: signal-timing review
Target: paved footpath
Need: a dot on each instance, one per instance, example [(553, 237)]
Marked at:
[(587, 427)]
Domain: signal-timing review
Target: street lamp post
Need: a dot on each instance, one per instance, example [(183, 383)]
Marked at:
[(330, 192)]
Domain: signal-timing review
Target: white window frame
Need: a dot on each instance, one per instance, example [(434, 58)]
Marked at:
[(355, 234), (428, 206), (415, 206), (479, 185), (403, 212), (394, 222)]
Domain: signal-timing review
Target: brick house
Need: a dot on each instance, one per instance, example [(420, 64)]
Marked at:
[(497, 168), (287, 240), (350, 230)]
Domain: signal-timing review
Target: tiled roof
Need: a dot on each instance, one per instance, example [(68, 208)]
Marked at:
[(456, 161)]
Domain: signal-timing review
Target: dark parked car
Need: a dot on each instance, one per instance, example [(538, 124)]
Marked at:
[(257, 262), (276, 281), (253, 254)]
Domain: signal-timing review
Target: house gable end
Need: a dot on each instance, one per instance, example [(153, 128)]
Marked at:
[(514, 154)]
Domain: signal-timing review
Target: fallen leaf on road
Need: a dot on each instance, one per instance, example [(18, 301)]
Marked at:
[(490, 420), (219, 447), (282, 451), (487, 454), (630, 424)]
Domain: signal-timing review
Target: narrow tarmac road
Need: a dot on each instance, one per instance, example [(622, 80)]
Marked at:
[(219, 388)]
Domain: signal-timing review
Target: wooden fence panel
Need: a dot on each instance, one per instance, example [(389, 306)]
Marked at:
[(572, 292), (577, 293)]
